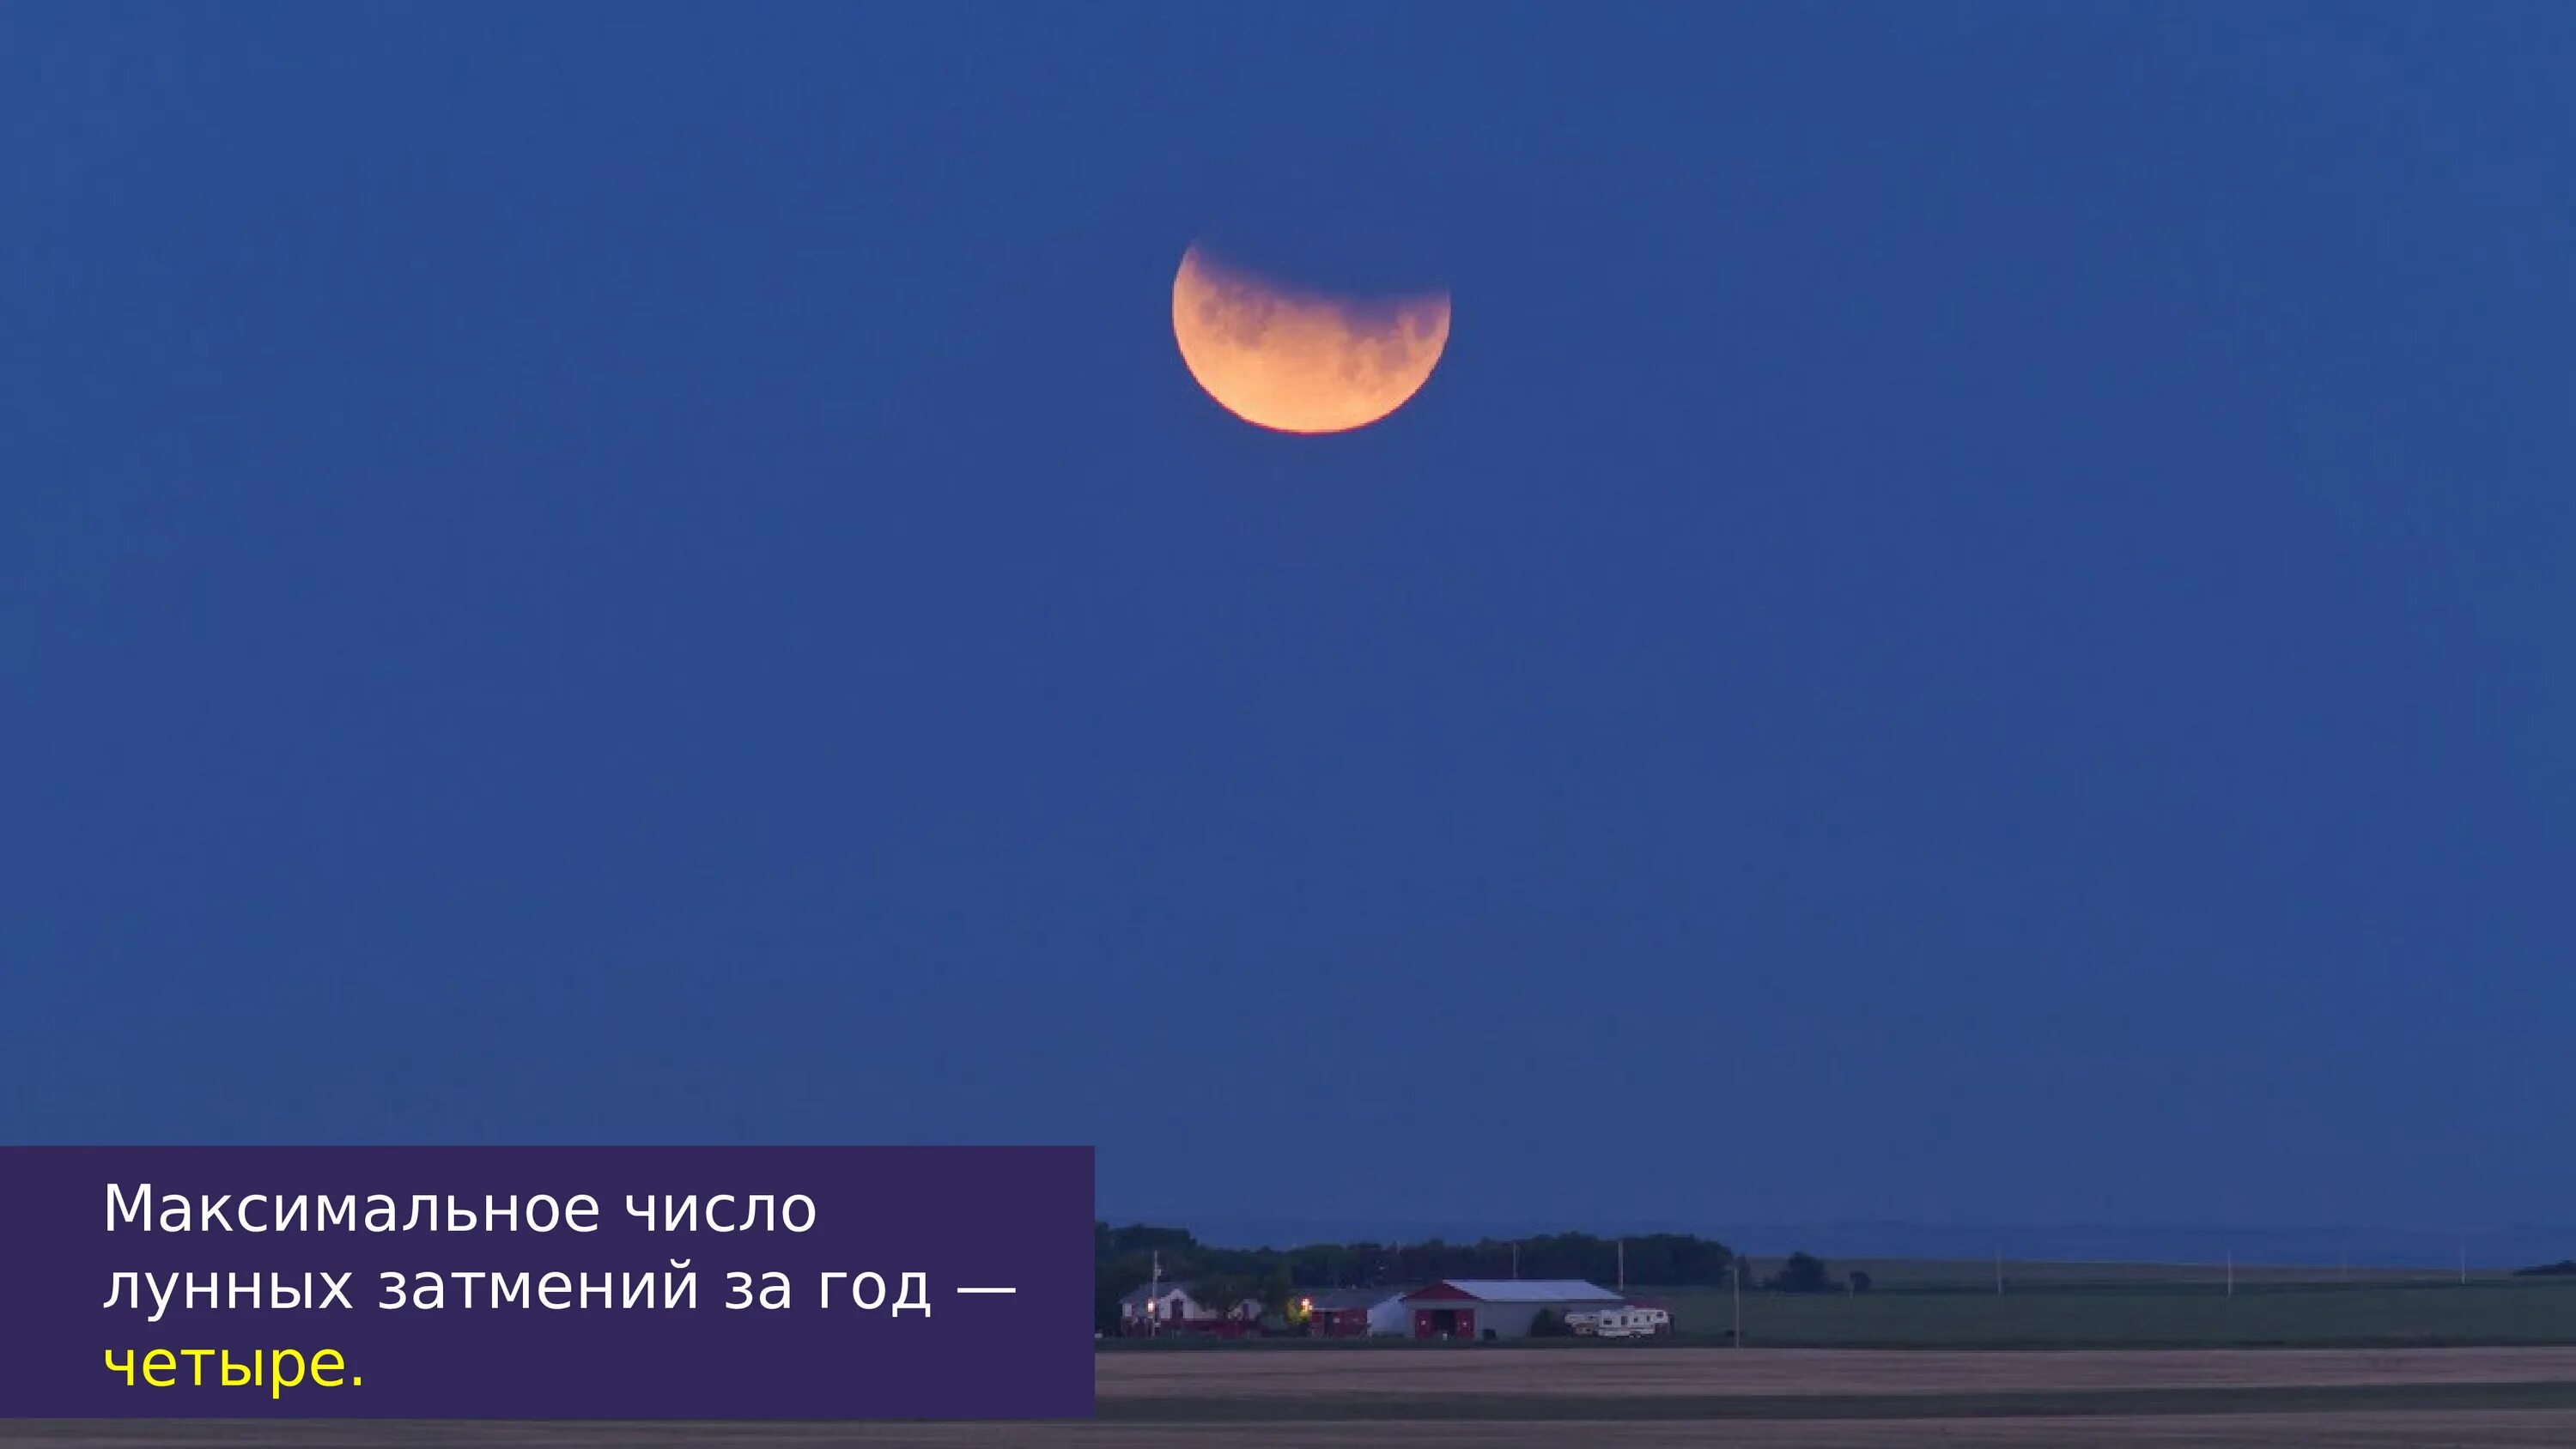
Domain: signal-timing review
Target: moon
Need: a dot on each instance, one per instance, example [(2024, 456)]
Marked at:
[(1297, 361)]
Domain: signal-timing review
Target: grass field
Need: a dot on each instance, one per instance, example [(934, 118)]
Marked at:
[(2148, 1312), (1978, 1274), (2062, 1305), (1649, 1396)]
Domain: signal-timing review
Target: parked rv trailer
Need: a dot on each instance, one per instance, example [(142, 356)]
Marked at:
[(1621, 1322)]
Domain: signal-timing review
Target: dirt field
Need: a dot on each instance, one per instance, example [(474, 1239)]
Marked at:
[(2466, 1430), (1651, 1397), (1134, 1380)]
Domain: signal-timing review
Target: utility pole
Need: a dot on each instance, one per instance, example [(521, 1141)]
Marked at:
[(2464, 1265), (1999, 1272), (1516, 1260), (1154, 1304), (1739, 1300), (2231, 1274), (1623, 1265)]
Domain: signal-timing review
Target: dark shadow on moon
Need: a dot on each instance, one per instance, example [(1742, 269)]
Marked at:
[(1245, 301)]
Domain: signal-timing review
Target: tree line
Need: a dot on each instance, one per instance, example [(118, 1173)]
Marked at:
[(1124, 1257)]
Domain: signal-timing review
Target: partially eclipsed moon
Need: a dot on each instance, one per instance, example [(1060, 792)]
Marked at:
[(1300, 362)]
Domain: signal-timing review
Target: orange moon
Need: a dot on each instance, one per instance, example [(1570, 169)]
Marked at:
[(1302, 362)]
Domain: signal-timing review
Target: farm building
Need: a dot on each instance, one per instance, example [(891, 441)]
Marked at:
[(1157, 1304), (1169, 1308), (1480, 1308), (1626, 1320), (1360, 1313)]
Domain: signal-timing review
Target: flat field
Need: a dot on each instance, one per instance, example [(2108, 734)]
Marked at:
[(1655, 1396), (2149, 1312), (1978, 1274)]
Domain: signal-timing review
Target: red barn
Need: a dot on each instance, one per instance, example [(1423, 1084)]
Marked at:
[(1485, 1308)]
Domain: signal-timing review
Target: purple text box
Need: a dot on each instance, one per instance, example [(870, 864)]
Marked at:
[(1016, 1219)]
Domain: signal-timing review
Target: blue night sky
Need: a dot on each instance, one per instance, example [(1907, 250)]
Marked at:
[(1973, 628)]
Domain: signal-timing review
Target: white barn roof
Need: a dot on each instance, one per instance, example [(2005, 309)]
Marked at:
[(1532, 1290)]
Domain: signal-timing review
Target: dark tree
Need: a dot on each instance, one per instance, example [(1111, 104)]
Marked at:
[(1859, 1281), (1803, 1273), (1221, 1294)]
